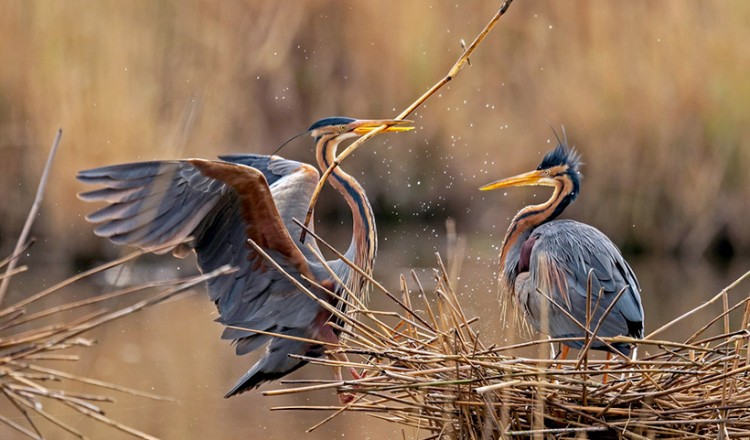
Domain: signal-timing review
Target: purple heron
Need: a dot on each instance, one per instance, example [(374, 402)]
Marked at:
[(542, 258), (223, 203)]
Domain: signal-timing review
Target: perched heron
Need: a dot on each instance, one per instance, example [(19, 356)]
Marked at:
[(221, 204), (541, 258)]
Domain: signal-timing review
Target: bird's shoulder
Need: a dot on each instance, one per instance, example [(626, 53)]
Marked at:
[(579, 248), (273, 167), (571, 234)]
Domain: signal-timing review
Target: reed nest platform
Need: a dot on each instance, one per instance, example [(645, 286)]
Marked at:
[(425, 367)]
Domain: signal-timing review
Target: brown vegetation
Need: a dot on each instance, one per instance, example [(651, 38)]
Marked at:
[(655, 96), (51, 326), (430, 371), (46, 330)]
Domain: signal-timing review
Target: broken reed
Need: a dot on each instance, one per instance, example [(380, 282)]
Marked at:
[(430, 371), (32, 335)]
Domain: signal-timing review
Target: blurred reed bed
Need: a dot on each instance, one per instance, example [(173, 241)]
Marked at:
[(38, 341), (654, 95), (42, 333), (426, 368)]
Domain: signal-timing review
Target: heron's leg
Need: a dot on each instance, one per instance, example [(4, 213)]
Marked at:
[(327, 335), (341, 357), (633, 357), (564, 350), (606, 367)]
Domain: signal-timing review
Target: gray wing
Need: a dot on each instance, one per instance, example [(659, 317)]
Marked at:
[(562, 255), (278, 306), (158, 202), (154, 203), (150, 203)]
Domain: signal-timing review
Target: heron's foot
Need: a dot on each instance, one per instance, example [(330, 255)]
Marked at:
[(355, 375), (346, 398)]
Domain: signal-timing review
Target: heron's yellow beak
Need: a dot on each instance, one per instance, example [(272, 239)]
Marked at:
[(532, 178), (367, 125)]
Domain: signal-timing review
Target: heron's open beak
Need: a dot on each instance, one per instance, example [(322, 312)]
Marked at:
[(532, 178), (367, 125)]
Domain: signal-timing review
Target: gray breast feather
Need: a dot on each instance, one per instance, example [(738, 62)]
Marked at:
[(564, 253)]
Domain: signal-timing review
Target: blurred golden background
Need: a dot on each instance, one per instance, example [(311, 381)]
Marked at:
[(654, 95)]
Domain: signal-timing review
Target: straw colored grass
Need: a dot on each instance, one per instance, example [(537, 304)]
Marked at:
[(32, 335), (425, 367), (654, 94), (46, 328)]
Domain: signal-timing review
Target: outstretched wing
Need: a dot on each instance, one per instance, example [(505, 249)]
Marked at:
[(222, 204), (158, 202), (280, 307), (563, 253), (154, 203), (150, 203)]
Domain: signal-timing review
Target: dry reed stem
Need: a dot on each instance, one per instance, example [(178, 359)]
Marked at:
[(31, 332), (27, 385), (433, 373), (21, 243)]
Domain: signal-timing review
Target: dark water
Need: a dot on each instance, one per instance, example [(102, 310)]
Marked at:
[(174, 349)]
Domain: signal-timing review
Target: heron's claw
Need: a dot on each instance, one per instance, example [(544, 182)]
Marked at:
[(346, 398), (354, 373)]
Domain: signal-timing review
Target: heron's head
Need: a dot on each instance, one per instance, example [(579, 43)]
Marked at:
[(559, 166), (343, 128)]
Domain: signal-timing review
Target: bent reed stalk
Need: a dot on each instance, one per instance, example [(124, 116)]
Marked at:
[(48, 326), (426, 368)]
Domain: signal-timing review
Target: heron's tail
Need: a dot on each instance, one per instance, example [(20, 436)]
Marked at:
[(276, 363), (259, 374)]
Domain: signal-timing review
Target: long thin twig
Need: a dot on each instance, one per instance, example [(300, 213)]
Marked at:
[(696, 309), (452, 73), (32, 214), (59, 286)]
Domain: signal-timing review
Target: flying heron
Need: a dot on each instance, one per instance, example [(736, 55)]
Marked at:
[(543, 259), (221, 204)]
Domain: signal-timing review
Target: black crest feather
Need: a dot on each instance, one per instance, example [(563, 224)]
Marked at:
[(562, 155)]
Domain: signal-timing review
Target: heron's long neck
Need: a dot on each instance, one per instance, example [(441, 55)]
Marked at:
[(364, 244), (532, 216)]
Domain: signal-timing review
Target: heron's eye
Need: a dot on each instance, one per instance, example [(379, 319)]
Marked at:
[(342, 128), (545, 173)]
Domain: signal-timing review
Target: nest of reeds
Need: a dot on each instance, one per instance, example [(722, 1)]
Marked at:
[(429, 370)]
